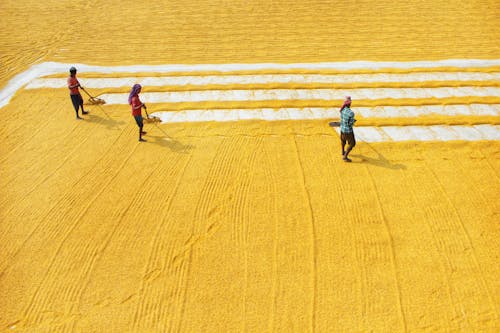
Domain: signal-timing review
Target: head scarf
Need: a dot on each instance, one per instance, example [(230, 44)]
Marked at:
[(347, 102), (133, 92)]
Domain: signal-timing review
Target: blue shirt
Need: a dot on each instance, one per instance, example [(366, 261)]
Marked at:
[(346, 120)]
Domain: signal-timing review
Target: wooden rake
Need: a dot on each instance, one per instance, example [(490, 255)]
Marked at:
[(94, 100)]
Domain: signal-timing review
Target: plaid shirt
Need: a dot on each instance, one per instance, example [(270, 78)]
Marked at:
[(346, 120)]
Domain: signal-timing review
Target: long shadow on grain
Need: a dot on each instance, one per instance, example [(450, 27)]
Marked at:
[(169, 142), (380, 160), (108, 122)]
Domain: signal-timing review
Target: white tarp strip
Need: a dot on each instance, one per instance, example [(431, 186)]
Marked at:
[(426, 110), (363, 133), (427, 133), (97, 83), (303, 94), (327, 113)]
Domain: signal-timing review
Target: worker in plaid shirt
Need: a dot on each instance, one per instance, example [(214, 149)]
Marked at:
[(346, 132)]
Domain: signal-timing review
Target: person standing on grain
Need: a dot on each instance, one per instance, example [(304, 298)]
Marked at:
[(346, 132), (74, 93), (137, 105)]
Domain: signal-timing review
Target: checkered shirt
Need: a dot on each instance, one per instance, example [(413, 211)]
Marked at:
[(346, 120)]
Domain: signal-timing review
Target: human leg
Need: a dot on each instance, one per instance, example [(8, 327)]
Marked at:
[(343, 142), (75, 100), (81, 105), (140, 123), (351, 140)]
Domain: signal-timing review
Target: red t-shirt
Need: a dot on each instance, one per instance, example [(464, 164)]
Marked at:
[(136, 106), (71, 82)]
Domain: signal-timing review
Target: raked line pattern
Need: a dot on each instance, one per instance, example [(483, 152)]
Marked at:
[(189, 84)]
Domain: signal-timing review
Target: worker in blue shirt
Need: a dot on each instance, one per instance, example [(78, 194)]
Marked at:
[(346, 132)]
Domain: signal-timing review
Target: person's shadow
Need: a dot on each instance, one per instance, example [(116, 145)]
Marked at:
[(167, 141), (170, 143), (380, 161), (106, 121)]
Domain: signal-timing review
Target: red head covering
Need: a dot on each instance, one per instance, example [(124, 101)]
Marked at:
[(347, 102)]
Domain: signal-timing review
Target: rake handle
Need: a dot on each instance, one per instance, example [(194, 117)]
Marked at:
[(86, 92)]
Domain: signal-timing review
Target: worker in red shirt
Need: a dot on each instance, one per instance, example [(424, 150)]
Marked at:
[(74, 93), (137, 105)]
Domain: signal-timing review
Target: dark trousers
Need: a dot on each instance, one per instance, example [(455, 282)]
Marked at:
[(349, 138), (77, 101)]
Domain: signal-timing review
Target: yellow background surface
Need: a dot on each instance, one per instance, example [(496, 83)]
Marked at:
[(241, 226)]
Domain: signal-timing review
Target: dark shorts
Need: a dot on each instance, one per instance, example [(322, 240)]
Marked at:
[(349, 137), (138, 120), (77, 100)]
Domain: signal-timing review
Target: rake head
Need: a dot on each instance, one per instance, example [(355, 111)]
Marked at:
[(151, 119), (96, 101)]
